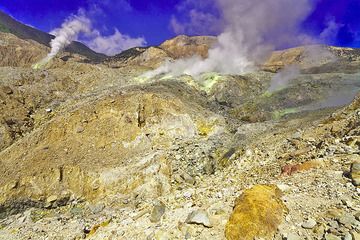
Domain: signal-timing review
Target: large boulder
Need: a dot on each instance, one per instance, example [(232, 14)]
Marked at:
[(257, 214)]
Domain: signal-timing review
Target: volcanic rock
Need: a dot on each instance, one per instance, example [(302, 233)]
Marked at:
[(121, 135), (309, 224), (157, 212), (355, 173), (257, 213), (199, 217), (330, 236), (185, 46)]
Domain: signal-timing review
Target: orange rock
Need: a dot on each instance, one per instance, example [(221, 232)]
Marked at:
[(306, 166)]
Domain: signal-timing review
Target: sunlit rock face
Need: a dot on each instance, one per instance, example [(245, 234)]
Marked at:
[(112, 146), (184, 46), (315, 59), (173, 49)]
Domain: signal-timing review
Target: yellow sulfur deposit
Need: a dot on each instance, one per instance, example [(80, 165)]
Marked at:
[(257, 213)]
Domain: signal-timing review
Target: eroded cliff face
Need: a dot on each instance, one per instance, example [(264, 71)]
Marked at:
[(116, 143), (95, 151)]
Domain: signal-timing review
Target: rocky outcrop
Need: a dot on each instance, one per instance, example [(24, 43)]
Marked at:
[(315, 59), (151, 58), (184, 46), (302, 56), (109, 147), (27, 99)]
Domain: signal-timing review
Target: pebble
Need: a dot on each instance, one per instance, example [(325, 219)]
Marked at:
[(293, 236), (348, 220), (355, 235), (309, 224), (157, 212), (348, 236), (199, 217), (161, 235), (355, 173), (357, 216), (334, 224), (80, 129), (7, 90), (51, 199), (297, 135), (331, 237), (284, 188), (188, 179), (96, 208), (188, 194)]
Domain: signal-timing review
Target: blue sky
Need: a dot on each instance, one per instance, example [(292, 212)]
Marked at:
[(154, 19), (134, 17)]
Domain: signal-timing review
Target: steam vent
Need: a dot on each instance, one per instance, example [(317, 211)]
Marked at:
[(166, 120)]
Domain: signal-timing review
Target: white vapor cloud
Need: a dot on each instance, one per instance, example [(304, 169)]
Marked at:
[(200, 23), (201, 18), (78, 24), (113, 44), (68, 32), (283, 78), (252, 29), (331, 31)]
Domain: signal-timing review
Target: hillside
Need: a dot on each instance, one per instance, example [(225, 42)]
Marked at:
[(10, 25)]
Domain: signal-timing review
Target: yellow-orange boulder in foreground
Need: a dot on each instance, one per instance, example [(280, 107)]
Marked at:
[(257, 213)]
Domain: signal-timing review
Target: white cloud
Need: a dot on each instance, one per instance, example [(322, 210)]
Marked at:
[(113, 44), (199, 23), (176, 26), (329, 34), (98, 6), (200, 18), (81, 25)]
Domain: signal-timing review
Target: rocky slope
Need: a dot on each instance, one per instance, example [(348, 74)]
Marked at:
[(92, 151), (152, 57)]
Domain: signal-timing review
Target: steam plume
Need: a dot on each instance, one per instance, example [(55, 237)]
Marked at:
[(253, 28), (68, 32), (81, 24), (282, 79)]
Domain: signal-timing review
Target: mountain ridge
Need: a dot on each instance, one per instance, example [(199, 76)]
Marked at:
[(10, 25)]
